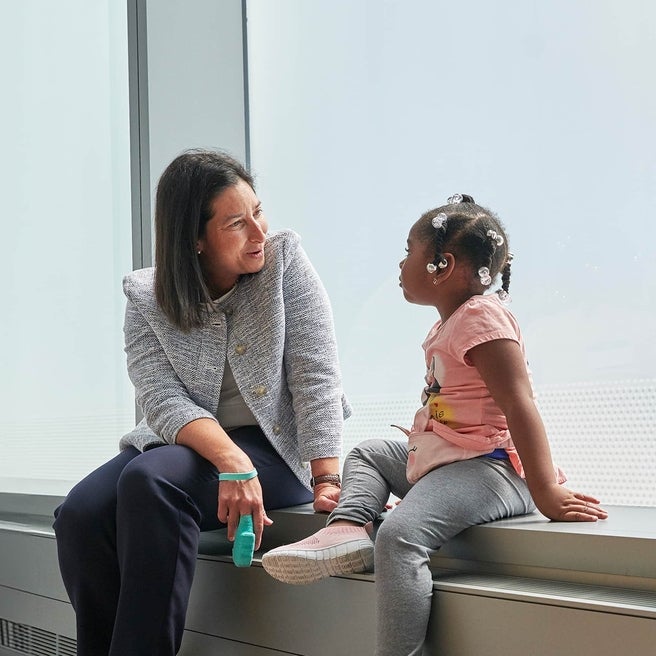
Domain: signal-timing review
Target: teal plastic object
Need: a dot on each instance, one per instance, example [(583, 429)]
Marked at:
[(244, 544)]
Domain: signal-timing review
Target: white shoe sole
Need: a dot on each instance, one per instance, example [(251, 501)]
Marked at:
[(301, 566)]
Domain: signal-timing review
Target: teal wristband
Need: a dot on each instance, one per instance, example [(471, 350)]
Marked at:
[(238, 476)]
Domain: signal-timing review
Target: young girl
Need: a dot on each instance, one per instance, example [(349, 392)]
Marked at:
[(460, 466)]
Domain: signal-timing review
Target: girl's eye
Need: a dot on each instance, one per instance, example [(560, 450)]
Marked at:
[(258, 212), (237, 224)]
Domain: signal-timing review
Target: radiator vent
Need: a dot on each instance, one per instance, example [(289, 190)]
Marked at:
[(26, 639)]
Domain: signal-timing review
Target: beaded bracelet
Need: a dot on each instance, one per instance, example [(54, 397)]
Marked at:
[(238, 476)]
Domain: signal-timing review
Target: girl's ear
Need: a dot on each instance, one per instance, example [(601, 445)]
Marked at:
[(444, 274)]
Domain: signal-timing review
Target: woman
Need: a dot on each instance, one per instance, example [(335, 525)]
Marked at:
[(231, 349)]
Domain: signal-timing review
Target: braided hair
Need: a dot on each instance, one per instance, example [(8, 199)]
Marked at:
[(472, 233)]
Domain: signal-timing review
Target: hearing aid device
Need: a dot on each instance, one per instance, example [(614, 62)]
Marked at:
[(244, 544)]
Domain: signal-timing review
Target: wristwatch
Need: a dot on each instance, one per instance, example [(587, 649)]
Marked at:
[(335, 479)]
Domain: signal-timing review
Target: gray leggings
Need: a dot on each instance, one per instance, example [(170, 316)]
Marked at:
[(440, 505)]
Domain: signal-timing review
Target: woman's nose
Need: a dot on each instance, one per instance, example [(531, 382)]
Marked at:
[(257, 232)]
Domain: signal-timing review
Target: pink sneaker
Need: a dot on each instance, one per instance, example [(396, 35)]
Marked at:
[(331, 551)]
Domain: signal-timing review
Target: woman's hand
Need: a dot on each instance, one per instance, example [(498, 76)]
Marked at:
[(326, 496), (237, 498), (562, 505)]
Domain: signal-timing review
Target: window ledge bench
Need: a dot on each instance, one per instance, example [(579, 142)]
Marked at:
[(518, 586)]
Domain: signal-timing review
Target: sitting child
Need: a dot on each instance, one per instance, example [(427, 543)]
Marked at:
[(477, 450)]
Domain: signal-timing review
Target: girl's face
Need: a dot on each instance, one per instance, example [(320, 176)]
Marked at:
[(233, 241), (415, 280)]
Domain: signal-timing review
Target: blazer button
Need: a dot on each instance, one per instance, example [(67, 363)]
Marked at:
[(240, 349), (260, 390), (277, 430)]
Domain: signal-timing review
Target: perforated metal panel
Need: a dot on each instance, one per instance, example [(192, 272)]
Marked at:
[(603, 435)]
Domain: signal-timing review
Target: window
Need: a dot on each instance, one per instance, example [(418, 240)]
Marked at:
[(66, 234), (364, 115)]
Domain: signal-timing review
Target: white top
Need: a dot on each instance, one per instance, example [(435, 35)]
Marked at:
[(232, 411)]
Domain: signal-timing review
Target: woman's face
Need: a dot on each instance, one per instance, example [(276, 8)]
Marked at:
[(233, 241)]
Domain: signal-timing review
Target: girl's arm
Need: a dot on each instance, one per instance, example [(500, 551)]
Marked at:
[(502, 367)]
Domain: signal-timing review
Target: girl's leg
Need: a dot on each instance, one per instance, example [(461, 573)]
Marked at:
[(372, 470), (85, 528), (440, 505)]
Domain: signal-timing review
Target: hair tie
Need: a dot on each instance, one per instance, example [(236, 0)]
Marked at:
[(439, 220), (484, 275), (492, 234)]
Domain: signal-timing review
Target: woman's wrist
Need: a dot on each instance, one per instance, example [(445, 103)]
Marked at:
[(237, 476), (208, 439), (322, 468), (324, 479)]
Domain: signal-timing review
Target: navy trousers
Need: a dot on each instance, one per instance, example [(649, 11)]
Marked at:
[(127, 541)]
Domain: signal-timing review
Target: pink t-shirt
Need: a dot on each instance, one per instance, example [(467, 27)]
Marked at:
[(460, 419)]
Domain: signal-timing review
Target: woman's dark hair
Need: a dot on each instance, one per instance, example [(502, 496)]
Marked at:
[(183, 206), (470, 232)]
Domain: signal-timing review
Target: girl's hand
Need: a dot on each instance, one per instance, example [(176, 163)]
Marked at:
[(562, 505), (237, 498), (326, 496)]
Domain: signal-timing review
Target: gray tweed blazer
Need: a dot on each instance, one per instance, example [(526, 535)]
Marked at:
[(276, 330)]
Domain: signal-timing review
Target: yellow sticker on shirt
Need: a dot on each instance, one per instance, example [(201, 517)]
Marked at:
[(439, 410)]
